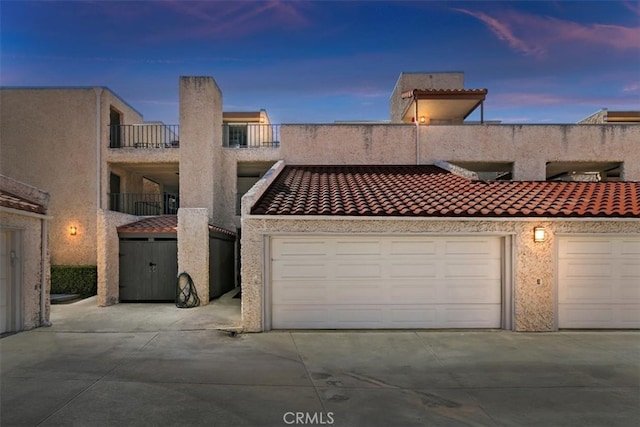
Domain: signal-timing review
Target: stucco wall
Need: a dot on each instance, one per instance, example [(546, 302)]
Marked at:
[(49, 140), (228, 173), (530, 147), (108, 254), (534, 305), (31, 262), (348, 144), (410, 81), (200, 144)]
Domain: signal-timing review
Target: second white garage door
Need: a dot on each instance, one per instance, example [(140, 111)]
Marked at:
[(599, 282), (342, 282)]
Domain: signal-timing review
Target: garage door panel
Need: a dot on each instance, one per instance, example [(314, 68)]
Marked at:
[(476, 246), (387, 282), (599, 282), (290, 270), (629, 291), (484, 291), (300, 316), (357, 248), (586, 269), (362, 292), (585, 290), (629, 315), (489, 269), (469, 316), (577, 315), (358, 270), (301, 293), (413, 270), (630, 247), (602, 316), (408, 292), (385, 316), (414, 247), (414, 317), (300, 248), (586, 247), (630, 269)]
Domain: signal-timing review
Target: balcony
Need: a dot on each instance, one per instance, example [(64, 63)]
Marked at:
[(144, 204), (250, 135), (144, 136)]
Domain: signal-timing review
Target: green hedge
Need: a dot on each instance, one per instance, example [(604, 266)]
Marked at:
[(74, 279)]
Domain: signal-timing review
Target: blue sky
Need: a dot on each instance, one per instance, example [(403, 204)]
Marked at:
[(317, 62)]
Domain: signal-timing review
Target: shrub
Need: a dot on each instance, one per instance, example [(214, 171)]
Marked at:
[(74, 279)]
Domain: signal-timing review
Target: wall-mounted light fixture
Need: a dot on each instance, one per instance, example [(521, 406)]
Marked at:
[(261, 119), (538, 234), (73, 230), (423, 120)]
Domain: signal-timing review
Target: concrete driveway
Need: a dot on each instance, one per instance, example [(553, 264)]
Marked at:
[(133, 365)]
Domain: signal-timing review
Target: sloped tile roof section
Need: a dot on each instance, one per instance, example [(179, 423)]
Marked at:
[(428, 191), (163, 224), (9, 200)]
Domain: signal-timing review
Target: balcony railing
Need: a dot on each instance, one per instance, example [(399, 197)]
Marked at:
[(250, 135), (144, 136), (143, 204)]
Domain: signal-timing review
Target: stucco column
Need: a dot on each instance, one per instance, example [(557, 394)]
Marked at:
[(193, 248), (530, 169), (108, 254), (200, 143)]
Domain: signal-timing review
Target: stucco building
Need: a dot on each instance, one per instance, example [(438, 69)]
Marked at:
[(236, 171)]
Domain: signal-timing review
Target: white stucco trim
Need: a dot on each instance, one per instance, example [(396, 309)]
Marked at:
[(439, 218), (388, 233), (258, 189), (25, 213), (266, 274)]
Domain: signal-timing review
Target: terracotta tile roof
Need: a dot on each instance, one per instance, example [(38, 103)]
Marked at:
[(162, 224), (10, 200), (428, 191)]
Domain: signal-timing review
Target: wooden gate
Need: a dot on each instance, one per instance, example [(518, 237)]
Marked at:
[(148, 269)]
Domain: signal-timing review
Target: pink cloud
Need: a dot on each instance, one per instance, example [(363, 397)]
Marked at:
[(632, 87), (503, 31), (541, 100), (535, 35), (237, 18)]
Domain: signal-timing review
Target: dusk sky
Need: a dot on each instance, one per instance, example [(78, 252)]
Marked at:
[(318, 62)]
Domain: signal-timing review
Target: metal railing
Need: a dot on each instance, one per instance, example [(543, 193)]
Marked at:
[(144, 135), (144, 203), (250, 135)]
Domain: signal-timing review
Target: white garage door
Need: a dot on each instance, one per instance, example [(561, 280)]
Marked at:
[(328, 282), (599, 282)]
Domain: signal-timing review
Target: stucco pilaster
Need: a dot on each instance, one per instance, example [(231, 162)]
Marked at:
[(193, 248), (200, 144), (108, 254)]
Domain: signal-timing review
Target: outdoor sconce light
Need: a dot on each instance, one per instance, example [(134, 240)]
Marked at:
[(423, 119), (538, 234), (73, 230), (261, 119)]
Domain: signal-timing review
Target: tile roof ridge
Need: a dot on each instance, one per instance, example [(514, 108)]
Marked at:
[(457, 170)]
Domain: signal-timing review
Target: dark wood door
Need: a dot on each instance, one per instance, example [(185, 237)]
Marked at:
[(115, 133), (148, 270)]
